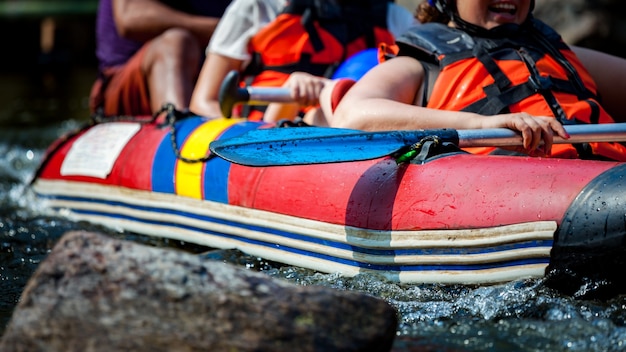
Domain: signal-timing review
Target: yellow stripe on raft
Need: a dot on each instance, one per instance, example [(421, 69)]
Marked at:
[(188, 176)]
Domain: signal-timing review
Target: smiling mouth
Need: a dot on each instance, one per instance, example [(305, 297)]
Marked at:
[(503, 8)]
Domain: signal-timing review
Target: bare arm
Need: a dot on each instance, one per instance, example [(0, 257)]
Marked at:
[(387, 98), (143, 20), (305, 90), (609, 72), (204, 99)]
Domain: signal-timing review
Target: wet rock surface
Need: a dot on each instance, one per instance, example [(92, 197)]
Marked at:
[(95, 293)]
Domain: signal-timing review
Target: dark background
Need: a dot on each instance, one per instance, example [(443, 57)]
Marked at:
[(597, 24), (39, 85), (21, 26), (44, 84)]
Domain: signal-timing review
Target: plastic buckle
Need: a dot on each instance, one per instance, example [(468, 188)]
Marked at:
[(540, 83)]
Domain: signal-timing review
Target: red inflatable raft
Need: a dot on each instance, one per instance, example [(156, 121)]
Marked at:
[(451, 217)]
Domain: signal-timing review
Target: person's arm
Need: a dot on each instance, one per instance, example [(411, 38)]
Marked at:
[(204, 100), (228, 50), (305, 90), (387, 98), (142, 20), (609, 73)]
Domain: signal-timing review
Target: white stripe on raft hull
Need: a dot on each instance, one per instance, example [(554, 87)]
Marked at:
[(469, 256)]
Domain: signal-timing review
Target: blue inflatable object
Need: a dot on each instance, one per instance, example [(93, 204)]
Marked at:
[(358, 64)]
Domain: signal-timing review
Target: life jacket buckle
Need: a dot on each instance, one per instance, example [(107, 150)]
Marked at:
[(540, 83)]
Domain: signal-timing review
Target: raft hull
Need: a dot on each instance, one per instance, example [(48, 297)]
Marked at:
[(457, 218)]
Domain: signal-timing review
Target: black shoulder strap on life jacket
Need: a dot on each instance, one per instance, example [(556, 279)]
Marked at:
[(430, 42), (551, 41), (529, 44), (427, 43)]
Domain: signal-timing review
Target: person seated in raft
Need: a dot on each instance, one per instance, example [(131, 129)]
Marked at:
[(264, 40), (150, 53), (477, 64)]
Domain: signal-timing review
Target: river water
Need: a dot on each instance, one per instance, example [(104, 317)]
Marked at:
[(35, 109)]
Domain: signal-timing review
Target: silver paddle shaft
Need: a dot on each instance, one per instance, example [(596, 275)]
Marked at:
[(266, 95), (612, 132)]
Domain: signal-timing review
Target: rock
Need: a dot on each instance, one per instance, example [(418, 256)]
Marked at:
[(598, 24), (575, 20), (95, 293)]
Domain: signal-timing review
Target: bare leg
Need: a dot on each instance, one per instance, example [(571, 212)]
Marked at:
[(172, 63)]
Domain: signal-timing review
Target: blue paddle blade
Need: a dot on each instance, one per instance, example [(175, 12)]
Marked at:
[(317, 145)]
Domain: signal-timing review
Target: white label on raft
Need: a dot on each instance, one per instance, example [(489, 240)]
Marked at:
[(94, 153)]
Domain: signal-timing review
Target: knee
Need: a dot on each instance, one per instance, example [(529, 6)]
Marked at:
[(179, 38), (177, 43)]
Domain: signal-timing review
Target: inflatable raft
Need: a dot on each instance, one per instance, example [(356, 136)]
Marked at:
[(445, 217)]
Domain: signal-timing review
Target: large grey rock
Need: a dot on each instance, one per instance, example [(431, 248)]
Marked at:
[(95, 293)]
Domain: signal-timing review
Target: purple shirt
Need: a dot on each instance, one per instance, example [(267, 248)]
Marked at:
[(113, 50)]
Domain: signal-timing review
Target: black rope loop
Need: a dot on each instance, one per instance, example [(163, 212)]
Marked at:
[(174, 115)]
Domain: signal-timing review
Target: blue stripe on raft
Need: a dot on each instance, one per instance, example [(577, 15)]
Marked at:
[(216, 170), (358, 264), (165, 160), (303, 238)]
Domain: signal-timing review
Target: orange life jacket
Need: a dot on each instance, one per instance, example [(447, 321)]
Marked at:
[(521, 68), (315, 37)]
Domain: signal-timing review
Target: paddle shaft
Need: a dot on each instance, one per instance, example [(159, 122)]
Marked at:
[(503, 137), (231, 94)]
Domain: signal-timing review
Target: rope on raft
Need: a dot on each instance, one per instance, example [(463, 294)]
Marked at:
[(172, 115)]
